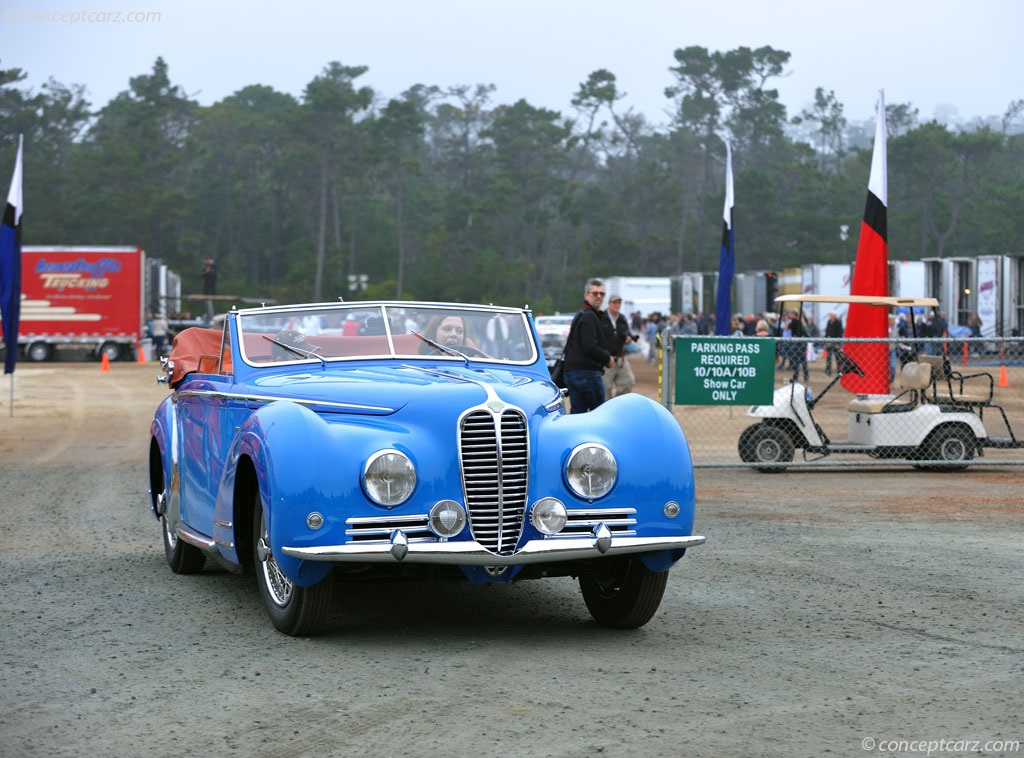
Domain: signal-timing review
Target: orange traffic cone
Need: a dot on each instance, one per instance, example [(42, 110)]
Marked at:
[(105, 363), (141, 352), (1003, 381)]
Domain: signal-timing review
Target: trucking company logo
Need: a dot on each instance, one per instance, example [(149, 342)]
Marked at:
[(79, 275)]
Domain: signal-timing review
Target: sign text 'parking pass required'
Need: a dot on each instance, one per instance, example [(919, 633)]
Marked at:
[(724, 370)]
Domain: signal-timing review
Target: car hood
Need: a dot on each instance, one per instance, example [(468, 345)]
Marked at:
[(385, 390)]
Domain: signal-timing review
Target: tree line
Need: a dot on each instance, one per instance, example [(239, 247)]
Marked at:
[(444, 194)]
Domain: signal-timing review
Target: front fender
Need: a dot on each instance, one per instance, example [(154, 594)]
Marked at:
[(304, 463), (163, 432), (650, 448)]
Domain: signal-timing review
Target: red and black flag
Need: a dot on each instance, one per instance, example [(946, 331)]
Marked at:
[(871, 277)]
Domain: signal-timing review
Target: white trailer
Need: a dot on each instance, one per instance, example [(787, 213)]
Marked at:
[(755, 292), (951, 281), (646, 294), (907, 279), (1010, 316), (826, 279)]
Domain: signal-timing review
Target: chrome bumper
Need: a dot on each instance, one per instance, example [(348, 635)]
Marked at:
[(596, 545)]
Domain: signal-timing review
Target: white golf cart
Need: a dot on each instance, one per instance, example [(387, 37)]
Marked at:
[(934, 419)]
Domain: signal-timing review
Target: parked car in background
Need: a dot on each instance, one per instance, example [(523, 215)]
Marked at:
[(553, 331), (320, 444)]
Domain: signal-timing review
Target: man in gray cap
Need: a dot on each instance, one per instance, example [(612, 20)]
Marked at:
[(618, 378)]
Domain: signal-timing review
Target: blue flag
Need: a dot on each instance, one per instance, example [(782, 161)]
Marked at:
[(727, 259), (10, 267)]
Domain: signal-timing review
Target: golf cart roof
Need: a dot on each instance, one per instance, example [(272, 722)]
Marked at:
[(884, 302)]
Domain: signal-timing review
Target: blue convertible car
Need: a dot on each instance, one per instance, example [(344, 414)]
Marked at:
[(317, 444)]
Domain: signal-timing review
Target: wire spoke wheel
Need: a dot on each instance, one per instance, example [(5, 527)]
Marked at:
[(293, 610)]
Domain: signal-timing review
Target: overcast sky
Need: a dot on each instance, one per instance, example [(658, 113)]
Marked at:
[(936, 54)]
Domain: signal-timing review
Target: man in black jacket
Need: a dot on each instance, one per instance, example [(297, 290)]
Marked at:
[(834, 330), (586, 353)]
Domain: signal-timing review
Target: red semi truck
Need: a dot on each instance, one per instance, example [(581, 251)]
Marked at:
[(88, 297)]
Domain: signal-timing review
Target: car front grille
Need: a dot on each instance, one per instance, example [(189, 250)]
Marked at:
[(494, 455)]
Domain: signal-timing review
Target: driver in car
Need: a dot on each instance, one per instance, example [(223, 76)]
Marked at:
[(449, 331)]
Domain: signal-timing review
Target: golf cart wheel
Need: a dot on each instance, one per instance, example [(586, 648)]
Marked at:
[(766, 444), (951, 445)]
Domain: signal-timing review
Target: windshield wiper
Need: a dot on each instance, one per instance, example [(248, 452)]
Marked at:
[(443, 348), (296, 350)]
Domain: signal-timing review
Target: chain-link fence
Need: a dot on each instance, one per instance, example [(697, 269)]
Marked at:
[(772, 403)]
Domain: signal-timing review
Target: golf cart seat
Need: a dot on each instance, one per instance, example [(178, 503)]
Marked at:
[(947, 387), (914, 379)]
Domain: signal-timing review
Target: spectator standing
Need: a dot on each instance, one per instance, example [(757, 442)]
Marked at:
[(651, 335), (586, 354), (907, 350), (798, 350), (158, 328), (618, 378), (975, 323), (833, 330)]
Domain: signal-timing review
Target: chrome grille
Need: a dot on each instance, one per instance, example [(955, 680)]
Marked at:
[(495, 471)]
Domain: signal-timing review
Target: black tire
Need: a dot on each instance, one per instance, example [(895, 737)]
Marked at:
[(295, 611), (622, 593), (950, 444), (110, 349), (182, 557), (39, 352), (766, 444)]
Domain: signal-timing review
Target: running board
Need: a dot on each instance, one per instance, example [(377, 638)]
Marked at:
[(847, 447)]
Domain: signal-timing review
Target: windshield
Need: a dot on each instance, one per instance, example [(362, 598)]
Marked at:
[(361, 331)]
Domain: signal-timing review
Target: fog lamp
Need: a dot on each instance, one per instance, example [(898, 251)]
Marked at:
[(447, 518), (548, 516)]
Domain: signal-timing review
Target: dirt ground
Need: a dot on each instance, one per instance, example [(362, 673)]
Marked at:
[(830, 612)]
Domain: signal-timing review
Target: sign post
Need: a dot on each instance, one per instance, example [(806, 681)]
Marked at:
[(724, 370)]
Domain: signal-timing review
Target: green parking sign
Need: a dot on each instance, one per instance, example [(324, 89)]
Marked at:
[(724, 370)]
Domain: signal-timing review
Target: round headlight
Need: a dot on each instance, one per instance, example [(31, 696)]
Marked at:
[(447, 518), (591, 470), (389, 477), (548, 516)]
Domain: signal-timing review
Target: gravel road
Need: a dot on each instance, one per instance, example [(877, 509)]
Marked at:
[(850, 613)]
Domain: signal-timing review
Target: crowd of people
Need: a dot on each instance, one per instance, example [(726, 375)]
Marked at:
[(597, 368)]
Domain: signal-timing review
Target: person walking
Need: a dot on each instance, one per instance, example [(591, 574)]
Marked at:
[(798, 350), (586, 354), (159, 329), (618, 378), (833, 330)]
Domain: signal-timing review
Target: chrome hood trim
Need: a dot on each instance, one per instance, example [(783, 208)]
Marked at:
[(248, 397)]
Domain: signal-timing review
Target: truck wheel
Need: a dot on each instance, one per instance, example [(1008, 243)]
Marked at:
[(39, 352), (110, 349), (622, 592), (766, 444)]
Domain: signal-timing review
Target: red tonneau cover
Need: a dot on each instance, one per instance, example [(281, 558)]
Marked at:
[(189, 347)]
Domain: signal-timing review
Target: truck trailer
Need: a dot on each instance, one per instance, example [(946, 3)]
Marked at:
[(87, 298)]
